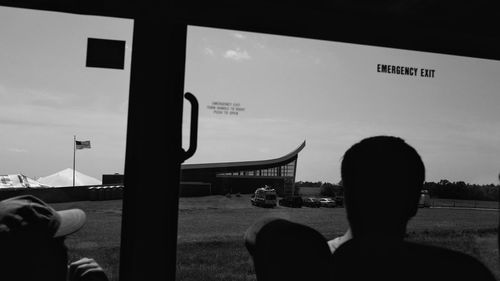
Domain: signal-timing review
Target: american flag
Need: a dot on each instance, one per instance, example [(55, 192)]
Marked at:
[(82, 144)]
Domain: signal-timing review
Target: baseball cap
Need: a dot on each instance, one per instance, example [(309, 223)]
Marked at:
[(29, 213)]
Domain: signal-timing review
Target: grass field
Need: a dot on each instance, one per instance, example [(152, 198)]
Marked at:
[(100, 237), (464, 203), (211, 230)]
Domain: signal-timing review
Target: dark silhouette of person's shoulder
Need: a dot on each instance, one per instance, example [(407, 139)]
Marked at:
[(354, 260), (460, 265)]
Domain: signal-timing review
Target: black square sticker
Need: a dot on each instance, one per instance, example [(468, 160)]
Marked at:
[(105, 53)]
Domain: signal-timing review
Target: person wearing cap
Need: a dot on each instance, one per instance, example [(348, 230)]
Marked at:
[(32, 243)]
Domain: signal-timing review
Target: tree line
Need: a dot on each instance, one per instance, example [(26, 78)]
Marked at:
[(462, 190), (326, 189), (443, 189)]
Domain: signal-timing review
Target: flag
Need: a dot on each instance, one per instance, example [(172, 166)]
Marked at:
[(82, 144)]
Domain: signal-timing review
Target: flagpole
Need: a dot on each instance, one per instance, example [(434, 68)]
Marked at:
[(74, 155)]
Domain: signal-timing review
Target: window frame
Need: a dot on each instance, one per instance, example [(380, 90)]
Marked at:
[(148, 242)]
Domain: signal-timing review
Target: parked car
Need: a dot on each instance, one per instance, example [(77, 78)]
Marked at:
[(311, 202), (291, 201), (327, 202)]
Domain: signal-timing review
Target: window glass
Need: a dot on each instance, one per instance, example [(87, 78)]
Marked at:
[(49, 99), (269, 102)]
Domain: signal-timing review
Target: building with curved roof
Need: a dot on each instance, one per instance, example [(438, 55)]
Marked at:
[(241, 177)]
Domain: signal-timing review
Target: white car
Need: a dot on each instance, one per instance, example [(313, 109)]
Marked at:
[(327, 202)]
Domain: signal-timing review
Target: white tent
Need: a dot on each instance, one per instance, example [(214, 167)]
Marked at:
[(19, 181), (65, 178)]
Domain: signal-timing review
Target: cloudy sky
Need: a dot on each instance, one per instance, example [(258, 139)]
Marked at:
[(48, 95), (331, 95), (285, 90)]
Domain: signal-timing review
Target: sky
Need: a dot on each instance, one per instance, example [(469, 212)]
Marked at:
[(48, 95), (286, 90)]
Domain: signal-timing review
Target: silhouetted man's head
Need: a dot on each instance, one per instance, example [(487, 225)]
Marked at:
[(382, 178), (32, 237)]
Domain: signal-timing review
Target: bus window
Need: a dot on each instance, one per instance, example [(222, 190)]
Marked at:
[(63, 119), (281, 111)]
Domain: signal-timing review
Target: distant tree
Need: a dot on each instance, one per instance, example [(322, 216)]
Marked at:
[(308, 184), (327, 190), (462, 190), (331, 190), (444, 182)]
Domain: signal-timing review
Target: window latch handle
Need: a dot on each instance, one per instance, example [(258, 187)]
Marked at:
[(193, 138)]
